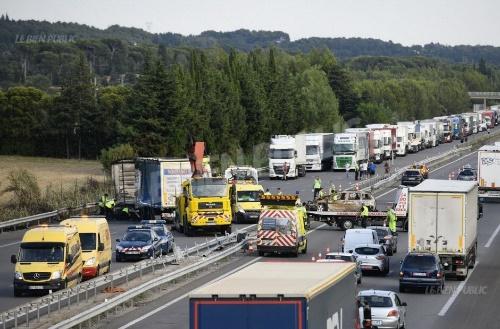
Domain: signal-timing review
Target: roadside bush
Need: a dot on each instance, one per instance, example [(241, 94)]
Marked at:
[(24, 187), (116, 153)]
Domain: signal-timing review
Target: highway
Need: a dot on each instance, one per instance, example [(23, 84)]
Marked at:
[(422, 310)]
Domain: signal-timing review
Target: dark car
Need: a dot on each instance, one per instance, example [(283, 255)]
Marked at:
[(467, 175), (138, 243), (386, 238), (412, 177), (421, 270), (166, 237)]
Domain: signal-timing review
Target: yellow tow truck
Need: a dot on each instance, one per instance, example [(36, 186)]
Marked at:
[(245, 193), (204, 204)]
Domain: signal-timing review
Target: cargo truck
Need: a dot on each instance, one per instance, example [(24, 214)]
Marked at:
[(350, 148), (446, 128), (159, 184), (123, 175), (457, 127), (279, 295), (375, 142), (402, 142), (319, 154), (488, 173), (287, 152), (443, 217)]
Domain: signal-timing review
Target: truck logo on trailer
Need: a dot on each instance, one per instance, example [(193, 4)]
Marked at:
[(335, 321)]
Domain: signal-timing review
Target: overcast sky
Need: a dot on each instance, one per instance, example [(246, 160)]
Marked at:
[(408, 22)]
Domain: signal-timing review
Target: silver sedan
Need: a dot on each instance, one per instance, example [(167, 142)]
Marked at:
[(372, 257), (388, 311)]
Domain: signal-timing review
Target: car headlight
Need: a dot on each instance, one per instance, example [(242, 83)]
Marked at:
[(119, 248), (18, 275), (145, 248), (90, 261), (240, 209), (56, 275)]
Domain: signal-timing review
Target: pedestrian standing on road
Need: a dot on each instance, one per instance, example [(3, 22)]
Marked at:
[(279, 191), (364, 169), (356, 171), (298, 202), (372, 168), (347, 167), (316, 186), (391, 220), (364, 215), (321, 194), (386, 167), (286, 168)]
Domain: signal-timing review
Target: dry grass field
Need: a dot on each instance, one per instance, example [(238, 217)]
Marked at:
[(50, 171)]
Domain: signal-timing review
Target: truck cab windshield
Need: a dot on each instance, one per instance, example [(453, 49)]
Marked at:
[(249, 196), (312, 149), (343, 148), (41, 252), (209, 190), (281, 153), (281, 225)]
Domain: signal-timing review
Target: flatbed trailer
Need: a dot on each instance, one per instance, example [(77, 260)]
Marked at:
[(347, 219)]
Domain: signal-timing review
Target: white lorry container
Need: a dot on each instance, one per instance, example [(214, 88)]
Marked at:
[(350, 148), (402, 143), (414, 137), (123, 175), (428, 128), (443, 218), (159, 183), (488, 172), (288, 152), (444, 127), (319, 150)]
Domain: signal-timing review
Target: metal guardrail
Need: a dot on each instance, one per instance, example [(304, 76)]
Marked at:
[(47, 216), (128, 296), (33, 310)]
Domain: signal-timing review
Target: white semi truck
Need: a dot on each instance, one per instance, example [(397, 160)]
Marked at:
[(350, 148), (319, 150), (287, 153), (443, 217), (488, 169), (402, 142), (414, 136)]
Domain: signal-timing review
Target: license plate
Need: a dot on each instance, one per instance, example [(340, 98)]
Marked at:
[(132, 252), (368, 267), (377, 322), (211, 223), (36, 287), (419, 274), (168, 215)]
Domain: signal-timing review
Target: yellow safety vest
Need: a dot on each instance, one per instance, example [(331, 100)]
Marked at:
[(364, 212)]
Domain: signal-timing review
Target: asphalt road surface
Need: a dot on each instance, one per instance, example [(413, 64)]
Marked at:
[(451, 309)]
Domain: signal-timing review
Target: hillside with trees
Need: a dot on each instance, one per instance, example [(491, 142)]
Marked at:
[(124, 86)]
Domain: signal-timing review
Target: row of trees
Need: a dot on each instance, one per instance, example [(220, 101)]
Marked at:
[(230, 100)]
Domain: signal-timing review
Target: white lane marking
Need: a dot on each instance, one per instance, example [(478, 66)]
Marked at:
[(156, 310), (456, 293), (10, 244), (492, 237)]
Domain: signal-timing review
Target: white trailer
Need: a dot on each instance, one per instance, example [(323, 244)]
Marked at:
[(488, 172), (319, 150), (444, 129), (286, 152), (388, 133), (428, 130), (350, 148), (123, 175), (443, 217), (402, 142), (414, 136)]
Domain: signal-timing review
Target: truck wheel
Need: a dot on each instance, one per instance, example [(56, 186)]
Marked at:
[(305, 248), (347, 224), (295, 253)]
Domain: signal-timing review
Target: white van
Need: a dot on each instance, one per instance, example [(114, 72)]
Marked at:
[(356, 236)]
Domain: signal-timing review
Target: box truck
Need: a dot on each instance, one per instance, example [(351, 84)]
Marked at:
[(278, 295), (319, 150), (442, 219), (350, 148), (159, 184), (488, 172), (287, 153), (123, 176)]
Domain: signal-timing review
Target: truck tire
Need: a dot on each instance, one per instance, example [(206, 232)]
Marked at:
[(463, 277), (347, 224), (304, 251)]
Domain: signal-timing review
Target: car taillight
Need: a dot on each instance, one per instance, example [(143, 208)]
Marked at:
[(380, 257), (458, 261), (438, 275), (393, 313)]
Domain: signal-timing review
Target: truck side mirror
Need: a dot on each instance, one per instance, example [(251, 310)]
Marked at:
[(69, 259), (100, 247), (13, 259)]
